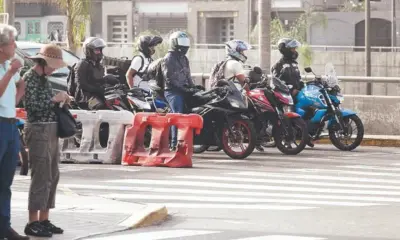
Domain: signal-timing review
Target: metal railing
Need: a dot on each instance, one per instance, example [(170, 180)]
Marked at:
[(345, 79)]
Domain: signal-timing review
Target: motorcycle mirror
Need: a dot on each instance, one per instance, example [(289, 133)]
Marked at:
[(290, 86), (308, 70)]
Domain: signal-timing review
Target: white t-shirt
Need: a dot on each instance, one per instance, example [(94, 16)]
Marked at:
[(232, 69), (135, 65), (7, 100)]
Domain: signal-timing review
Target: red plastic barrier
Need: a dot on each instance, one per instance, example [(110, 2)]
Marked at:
[(159, 153)]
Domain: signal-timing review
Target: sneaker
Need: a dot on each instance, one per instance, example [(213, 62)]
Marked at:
[(259, 148), (51, 227), (13, 235), (36, 229)]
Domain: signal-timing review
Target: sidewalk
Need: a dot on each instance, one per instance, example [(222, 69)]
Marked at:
[(84, 216), (373, 140)]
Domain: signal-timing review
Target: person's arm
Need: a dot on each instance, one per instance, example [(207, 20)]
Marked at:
[(83, 74), (20, 90), (190, 80), (133, 69), (238, 71), (11, 71)]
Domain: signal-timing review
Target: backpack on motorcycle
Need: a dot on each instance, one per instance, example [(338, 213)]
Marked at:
[(154, 72), (217, 73), (71, 84)]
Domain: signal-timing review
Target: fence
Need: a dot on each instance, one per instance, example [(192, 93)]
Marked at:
[(351, 85)]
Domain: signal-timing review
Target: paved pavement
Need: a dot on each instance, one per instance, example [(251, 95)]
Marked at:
[(320, 194)]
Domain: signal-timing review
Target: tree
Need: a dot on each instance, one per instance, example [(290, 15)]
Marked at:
[(78, 15), (353, 6), (297, 30)]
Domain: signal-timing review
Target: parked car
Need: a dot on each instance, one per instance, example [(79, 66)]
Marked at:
[(58, 78)]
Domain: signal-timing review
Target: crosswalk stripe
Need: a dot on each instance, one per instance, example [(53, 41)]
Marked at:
[(252, 186), (280, 237), (168, 190), (340, 171), (374, 168), (157, 235), (316, 177), (234, 200), (283, 181), (232, 206)]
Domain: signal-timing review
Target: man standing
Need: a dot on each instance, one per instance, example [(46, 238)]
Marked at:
[(11, 92)]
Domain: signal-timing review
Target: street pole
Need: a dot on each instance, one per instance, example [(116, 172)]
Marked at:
[(394, 28), (9, 7), (264, 32), (368, 44)]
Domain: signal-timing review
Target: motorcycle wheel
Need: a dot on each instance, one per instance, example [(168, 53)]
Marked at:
[(336, 141), (301, 132), (23, 157), (199, 148), (239, 137)]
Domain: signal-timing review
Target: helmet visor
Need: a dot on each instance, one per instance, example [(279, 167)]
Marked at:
[(293, 44), (97, 43), (184, 42)]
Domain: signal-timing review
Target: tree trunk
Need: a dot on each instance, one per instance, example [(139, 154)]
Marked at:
[(264, 40), (10, 9), (70, 34)]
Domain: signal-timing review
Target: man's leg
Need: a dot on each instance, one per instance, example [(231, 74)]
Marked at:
[(9, 149), (176, 102)]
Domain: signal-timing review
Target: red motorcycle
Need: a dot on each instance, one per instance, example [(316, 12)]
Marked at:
[(270, 108)]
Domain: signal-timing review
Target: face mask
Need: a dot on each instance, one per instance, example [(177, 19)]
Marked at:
[(183, 51), (295, 55)]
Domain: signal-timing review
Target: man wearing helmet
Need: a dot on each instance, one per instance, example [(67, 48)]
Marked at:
[(140, 63), (287, 68), (232, 67), (89, 75), (177, 76)]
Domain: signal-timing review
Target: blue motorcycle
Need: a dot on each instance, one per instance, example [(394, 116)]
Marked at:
[(319, 103)]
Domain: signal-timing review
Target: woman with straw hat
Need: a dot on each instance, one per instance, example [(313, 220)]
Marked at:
[(42, 140)]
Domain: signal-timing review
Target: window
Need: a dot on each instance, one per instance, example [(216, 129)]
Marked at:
[(227, 23), (119, 30), (54, 26)]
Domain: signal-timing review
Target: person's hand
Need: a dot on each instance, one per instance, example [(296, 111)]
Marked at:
[(15, 65), (61, 97), (295, 92)]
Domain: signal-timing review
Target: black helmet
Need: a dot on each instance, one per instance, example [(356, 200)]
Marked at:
[(92, 43), (286, 44), (146, 42)]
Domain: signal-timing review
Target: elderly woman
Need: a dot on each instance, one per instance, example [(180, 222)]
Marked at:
[(42, 139)]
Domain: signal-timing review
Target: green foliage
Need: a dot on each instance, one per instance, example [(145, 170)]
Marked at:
[(353, 6), (162, 48), (1, 6), (297, 30), (78, 14)]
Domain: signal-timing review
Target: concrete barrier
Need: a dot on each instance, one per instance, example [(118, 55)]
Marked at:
[(380, 114)]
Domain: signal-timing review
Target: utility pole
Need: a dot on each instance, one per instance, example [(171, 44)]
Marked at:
[(264, 32), (368, 44), (394, 27), (9, 7)]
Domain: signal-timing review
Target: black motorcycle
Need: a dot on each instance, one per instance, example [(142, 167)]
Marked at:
[(224, 122)]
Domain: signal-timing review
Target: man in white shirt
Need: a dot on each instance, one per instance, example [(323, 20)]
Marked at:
[(11, 91), (140, 63)]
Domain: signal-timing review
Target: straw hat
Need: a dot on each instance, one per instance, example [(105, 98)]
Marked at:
[(52, 54)]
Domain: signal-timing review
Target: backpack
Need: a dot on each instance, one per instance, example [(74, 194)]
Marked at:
[(154, 71), (217, 73), (71, 84), (141, 74)]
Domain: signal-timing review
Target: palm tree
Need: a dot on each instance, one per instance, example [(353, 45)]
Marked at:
[(78, 15)]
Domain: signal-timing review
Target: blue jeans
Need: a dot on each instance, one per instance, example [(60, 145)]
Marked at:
[(9, 156), (176, 102)]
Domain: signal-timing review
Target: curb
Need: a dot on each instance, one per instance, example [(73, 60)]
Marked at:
[(369, 142), (149, 216)]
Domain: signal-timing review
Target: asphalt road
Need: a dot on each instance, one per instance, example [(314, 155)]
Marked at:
[(321, 193)]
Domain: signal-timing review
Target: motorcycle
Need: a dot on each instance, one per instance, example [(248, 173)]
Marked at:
[(319, 102), (23, 155), (271, 111), (224, 123)]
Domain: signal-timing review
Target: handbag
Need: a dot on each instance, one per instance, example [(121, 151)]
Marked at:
[(67, 126)]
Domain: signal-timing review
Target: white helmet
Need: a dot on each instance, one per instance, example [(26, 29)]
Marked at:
[(236, 48)]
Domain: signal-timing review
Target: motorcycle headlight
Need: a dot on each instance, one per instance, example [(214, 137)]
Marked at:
[(287, 108)]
